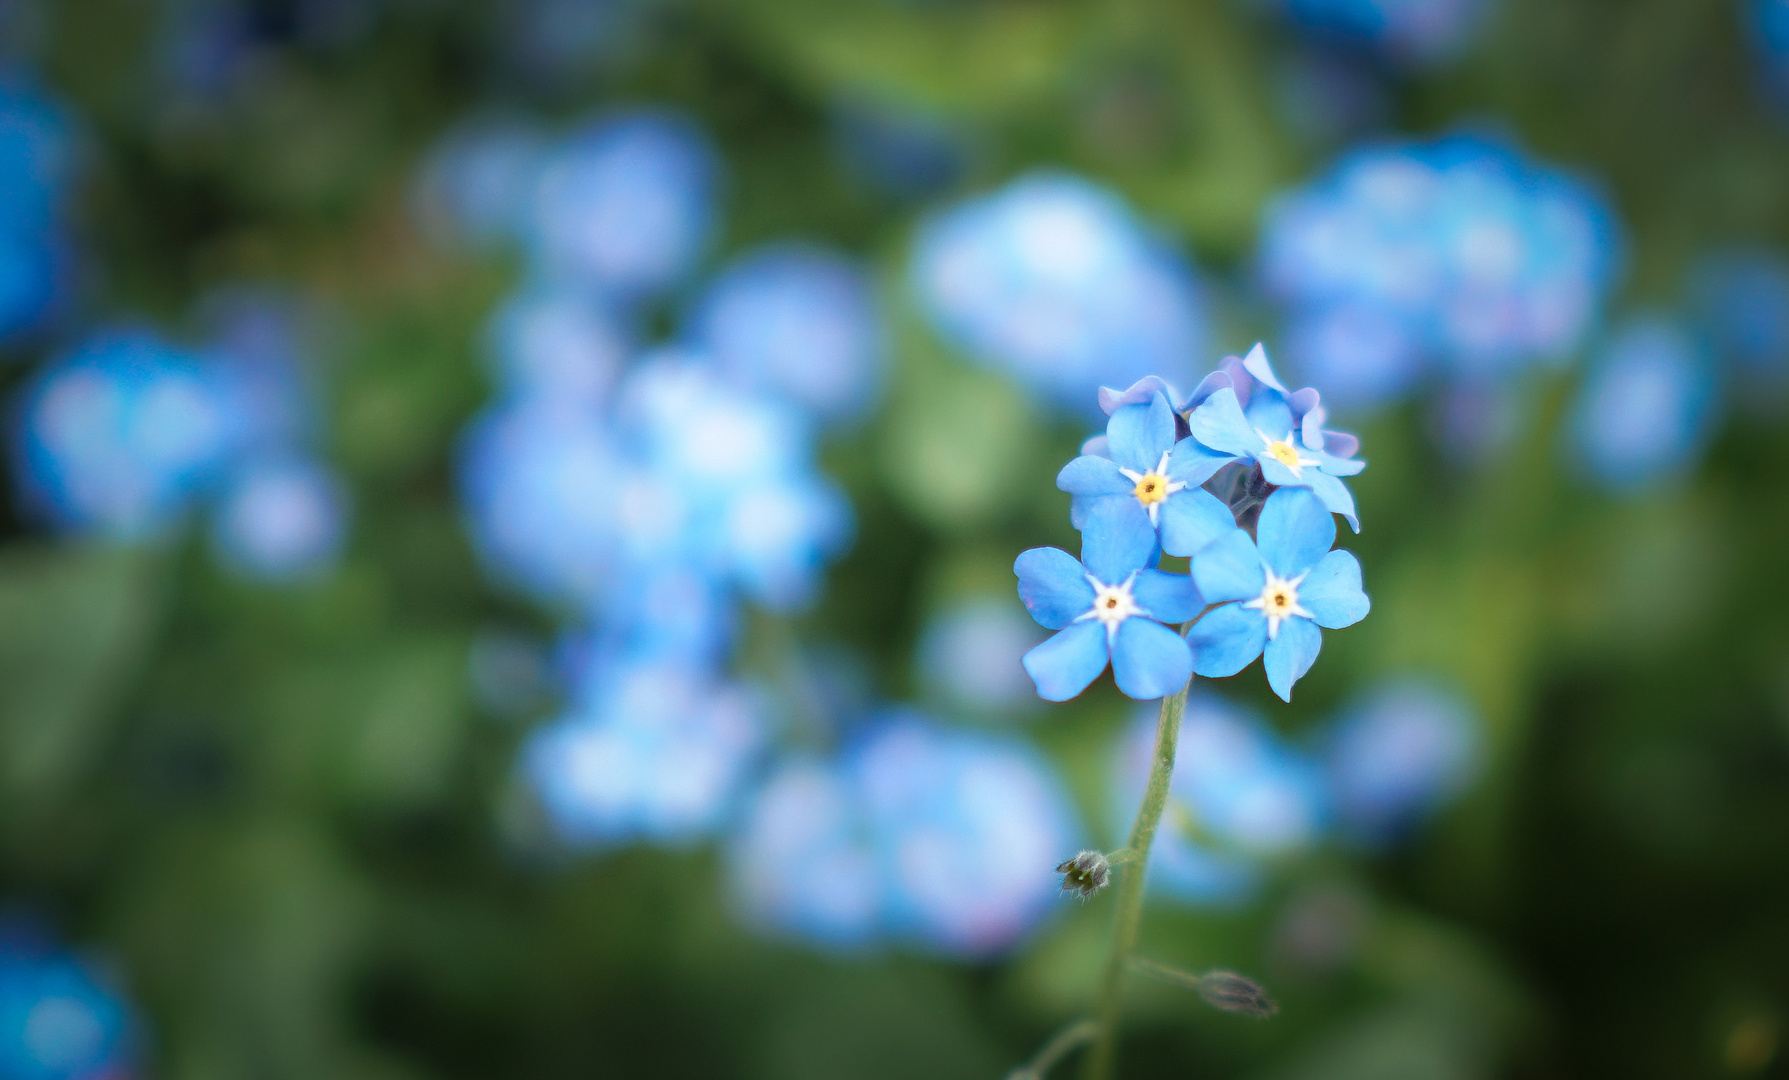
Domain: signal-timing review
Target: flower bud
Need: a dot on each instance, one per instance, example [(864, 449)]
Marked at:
[(1233, 993), (1085, 874)]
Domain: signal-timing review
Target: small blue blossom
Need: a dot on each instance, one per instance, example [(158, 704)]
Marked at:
[(1274, 592), (1107, 606), (801, 322), (1648, 406), (1411, 32), (918, 834), (558, 343), (1399, 755), (626, 206), (1055, 281), (1239, 798), (60, 1019), (1286, 441), (1147, 481), (475, 185), (1740, 298), (972, 653), (282, 519), (118, 436), (655, 750)]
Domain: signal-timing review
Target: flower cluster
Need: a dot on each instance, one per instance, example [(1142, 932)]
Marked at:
[(60, 1019), (1241, 478), (1243, 798), (37, 166), (1405, 32), (1455, 259), (121, 435), (1053, 280)]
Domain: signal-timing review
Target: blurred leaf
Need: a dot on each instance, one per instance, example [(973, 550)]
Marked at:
[(73, 624)]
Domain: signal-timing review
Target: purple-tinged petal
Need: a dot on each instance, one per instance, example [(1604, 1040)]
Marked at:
[(1308, 406), (1140, 392), (1089, 475), (1255, 363), (1229, 569), (1220, 425), (1096, 447), (1053, 586), (1337, 443), (1332, 592), (1190, 519), (1336, 466), (1138, 435), (1268, 413), (1334, 495), (1295, 530), (1117, 538), (1192, 464), (1227, 640), (1149, 660), (1211, 384), (1291, 653), (1169, 598), (1067, 663)]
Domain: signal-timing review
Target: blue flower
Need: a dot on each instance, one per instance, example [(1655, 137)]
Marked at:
[(1147, 482), (972, 653), (1239, 798), (626, 206), (281, 519), (1399, 755), (799, 321), (59, 1018), (1289, 446), (1054, 280), (1109, 607), (475, 185), (1413, 32), (1274, 596), (559, 343), (1647, 407)]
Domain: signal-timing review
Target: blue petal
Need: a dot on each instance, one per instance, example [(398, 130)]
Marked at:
[(1089, 475), (1096, 446), (1332, 592), (1219, 424), (1081, 505), (1333, 494), (1169, 598), (1229, 569), (1255, 363), (1339, 443), (1291, 654), (1192, 464), (1064, 665), (1227, 640), (1337, 466), (1149, 660), (1142, 390), (1138, 435), (1053, 586), (1191, 519), (1269, 413), (1116, 539), (1294, 531), (1280, 475)]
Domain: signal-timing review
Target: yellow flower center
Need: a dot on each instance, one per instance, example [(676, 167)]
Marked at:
[(1278, 602), (1283, 452), (1152, 488)]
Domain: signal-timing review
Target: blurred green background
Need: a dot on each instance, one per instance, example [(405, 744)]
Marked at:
[(285, 817)]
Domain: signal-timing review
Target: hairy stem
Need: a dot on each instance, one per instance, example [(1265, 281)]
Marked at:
[(1130, 887), (1056, 1049)]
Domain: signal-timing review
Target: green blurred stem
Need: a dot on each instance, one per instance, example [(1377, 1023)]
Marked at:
[(1056, 1049), (1130, 887)]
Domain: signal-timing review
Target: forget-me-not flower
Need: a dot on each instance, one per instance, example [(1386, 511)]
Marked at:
[(1107, 605), (1648, 406), (1148, 481), (1274, 591)]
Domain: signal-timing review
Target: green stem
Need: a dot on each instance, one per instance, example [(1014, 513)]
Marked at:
[(1130, 887), (1055, 1050)]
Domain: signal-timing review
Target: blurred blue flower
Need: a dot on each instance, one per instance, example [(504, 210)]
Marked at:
[(1147, 481), (626, 205), (281, 519), (900, 151), (477, 184), (1107, 606), (59, 1018), (971, 653), (1399, 755), (655, 750), (1740, 298), (254, 354), (1769, 21), (800, 321), (920, 834), (1647, 407), (37, 166), (1456, 253), (1053, 280), (558, 343), (118, 435), (1275, 596), (1239, 798), (1415, 32)]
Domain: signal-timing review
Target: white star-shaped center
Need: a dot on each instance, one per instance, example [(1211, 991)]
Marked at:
[(1278, 601), (1112, 604), (1153, 487), (1284, 452)]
